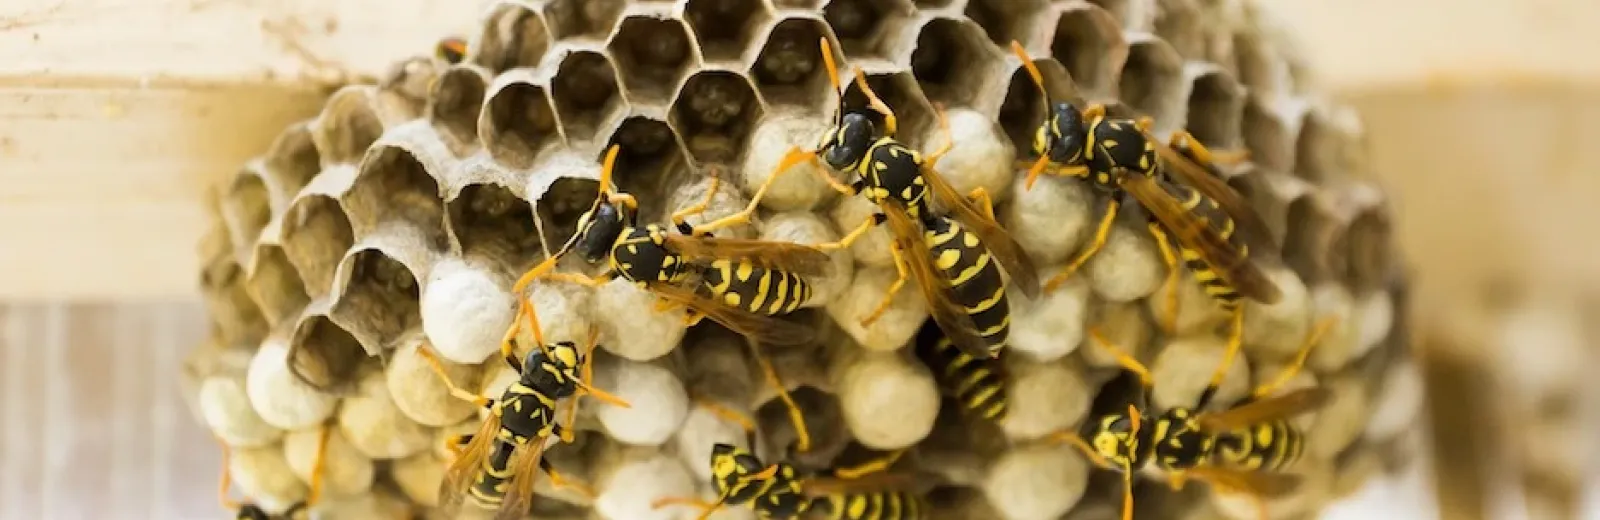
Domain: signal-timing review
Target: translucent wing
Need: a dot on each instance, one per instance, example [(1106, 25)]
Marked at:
[(1267, 409), (761, 328), (463, 471), (1195, 175), (1232, 264), (949, 315), (1261, 484), (884, 481), (1000, 244), (524, 472), (768, 254)]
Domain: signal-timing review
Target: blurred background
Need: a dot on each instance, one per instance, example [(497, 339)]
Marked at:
[(1482, 119)]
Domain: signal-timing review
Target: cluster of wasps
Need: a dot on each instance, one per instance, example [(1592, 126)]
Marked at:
[(963, 262)]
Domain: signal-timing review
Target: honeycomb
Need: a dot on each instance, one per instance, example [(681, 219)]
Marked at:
[(398, 218)]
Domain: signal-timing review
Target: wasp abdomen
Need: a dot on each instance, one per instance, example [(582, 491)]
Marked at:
[(883, 505), (755, 289), (1270, 446), (974, 278)]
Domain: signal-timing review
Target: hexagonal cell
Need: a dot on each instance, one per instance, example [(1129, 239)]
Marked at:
[(717, 109), (347, 126), (585, 90), (1088, 43), (648, 149), (1118, 9), (455, 106), (1269, 142), (392, 187), (824, 422), (1216, 104), (324, 355), (377, 300), (490, 220), (316, 234), (1004, 20), (953, 61), (275, 285), (513, 36), (1315, 148), (1178, 22), (1023, 109), (582, 18), (246, 210), (519, 121), (654, 54), (859, 24), (789, 69), (560, 206), (1371, 254), (900, 91), (293, 160), (725, 28), (1253, 62), (1152, 81), (234, 315), (1309, 239)]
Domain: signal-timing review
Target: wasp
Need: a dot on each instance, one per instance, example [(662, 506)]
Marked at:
[(451, 50), (1219, 238), (977, 383), (1242, 448), (251, 511), (952, 254), (495, 465), (741, 284)]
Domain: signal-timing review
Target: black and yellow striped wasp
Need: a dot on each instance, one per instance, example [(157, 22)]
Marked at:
[(952, 251), (977, 383), (1243, 448), (495, 466), (451, 49), (741, 284), (1219, 238), (253, 511)]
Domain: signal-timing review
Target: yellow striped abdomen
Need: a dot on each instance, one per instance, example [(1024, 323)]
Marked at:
[(490, 487), (1269, 446), (883, 505), (755, 289), (974, 277), (975, 382)]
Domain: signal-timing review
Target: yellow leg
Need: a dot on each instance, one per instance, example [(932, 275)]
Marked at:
[(877, 465), (1299, 361), (728, 414), (1095, 244), (226, 481), (794, 156), (586, 281), (680, 218), (985, 203), (455, 445), (586, 379), (1123, 358), (560, 482), (932, 159), (802, 434), (1093, 111), (900, 268), (692, 318), (319, 466), (456, 391), (1183, 140), (872, 221), (1169, 314), (1235, 338), (706, 508), (889, 123), (1088, 451)]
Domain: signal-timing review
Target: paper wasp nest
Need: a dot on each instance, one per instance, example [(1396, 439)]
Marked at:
[(400, 216)]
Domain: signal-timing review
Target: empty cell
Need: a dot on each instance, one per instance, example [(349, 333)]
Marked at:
[(647, 150), (582, 18), (1254, 62), (654, 54), (316, 234), (293, 160), (952, 61), (585, 90), (1087, 42), (1178, 22), (904, 97), (859, 23), (347, 126), (246, 210), (1118, 9), (725, 28), (1152, 81), (1023, 108), (1269, 142), (457, 103), (824, 425), (789, 69), (1004, 20), (560, 206), (514, 36), (932, 4), (1216, 106), (324, 355), (1307, 237), (1371, 250), (392, 185), (795, 4), (274, 285), (378, 301), (520, 122), (489, 220), (718, 109), (1315, 149)]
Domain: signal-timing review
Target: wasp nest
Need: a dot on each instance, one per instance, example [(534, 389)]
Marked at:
[(399, 217)]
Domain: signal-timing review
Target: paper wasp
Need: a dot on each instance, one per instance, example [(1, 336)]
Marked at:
[(1241, 448), (252, 511), (952, 259), (451, 50), (1219, 238), (495, 465), (977, 383), (741, 284)]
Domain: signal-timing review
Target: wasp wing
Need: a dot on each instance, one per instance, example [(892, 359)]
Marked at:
[(1193, 232), (949, 315), (761, 328), (1195, 175), (525, 471), (1267, 409), (767, 254), (1005, 249), (1257, 483), (883, 481), (463, 471)]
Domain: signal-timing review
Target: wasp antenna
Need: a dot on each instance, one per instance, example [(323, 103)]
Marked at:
[(606, 169), (1033, 70), (833, 77)]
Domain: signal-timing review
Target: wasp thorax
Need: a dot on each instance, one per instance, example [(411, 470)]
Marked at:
[(846, 144), (1120, 145), (1183, 444)]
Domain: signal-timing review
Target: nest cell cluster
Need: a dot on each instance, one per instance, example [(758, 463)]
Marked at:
[(398, 218)]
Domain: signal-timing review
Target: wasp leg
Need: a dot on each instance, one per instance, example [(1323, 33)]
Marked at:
[(1300, 356), (876, 465), (586, 379), (226, 482), (727, 413), (1169, 314), (680, 218), (1099, 241), (802, 435), (1235, 338), (706, 508), (794, 156), (890, 125), (508, 353), (898, 254), (586, 281), (1185, 142), (558, 481), (949, 139), (455, 391), (457, 443), (980, 196), (1125, 360), (319, 467), (873, 220), (692, 318), (1088, 451), (1094, 110)]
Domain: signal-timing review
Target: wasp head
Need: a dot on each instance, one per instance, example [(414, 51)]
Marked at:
[(1062, 135), (553, 370), (599, 228), (1116, 440), (845, 145)]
